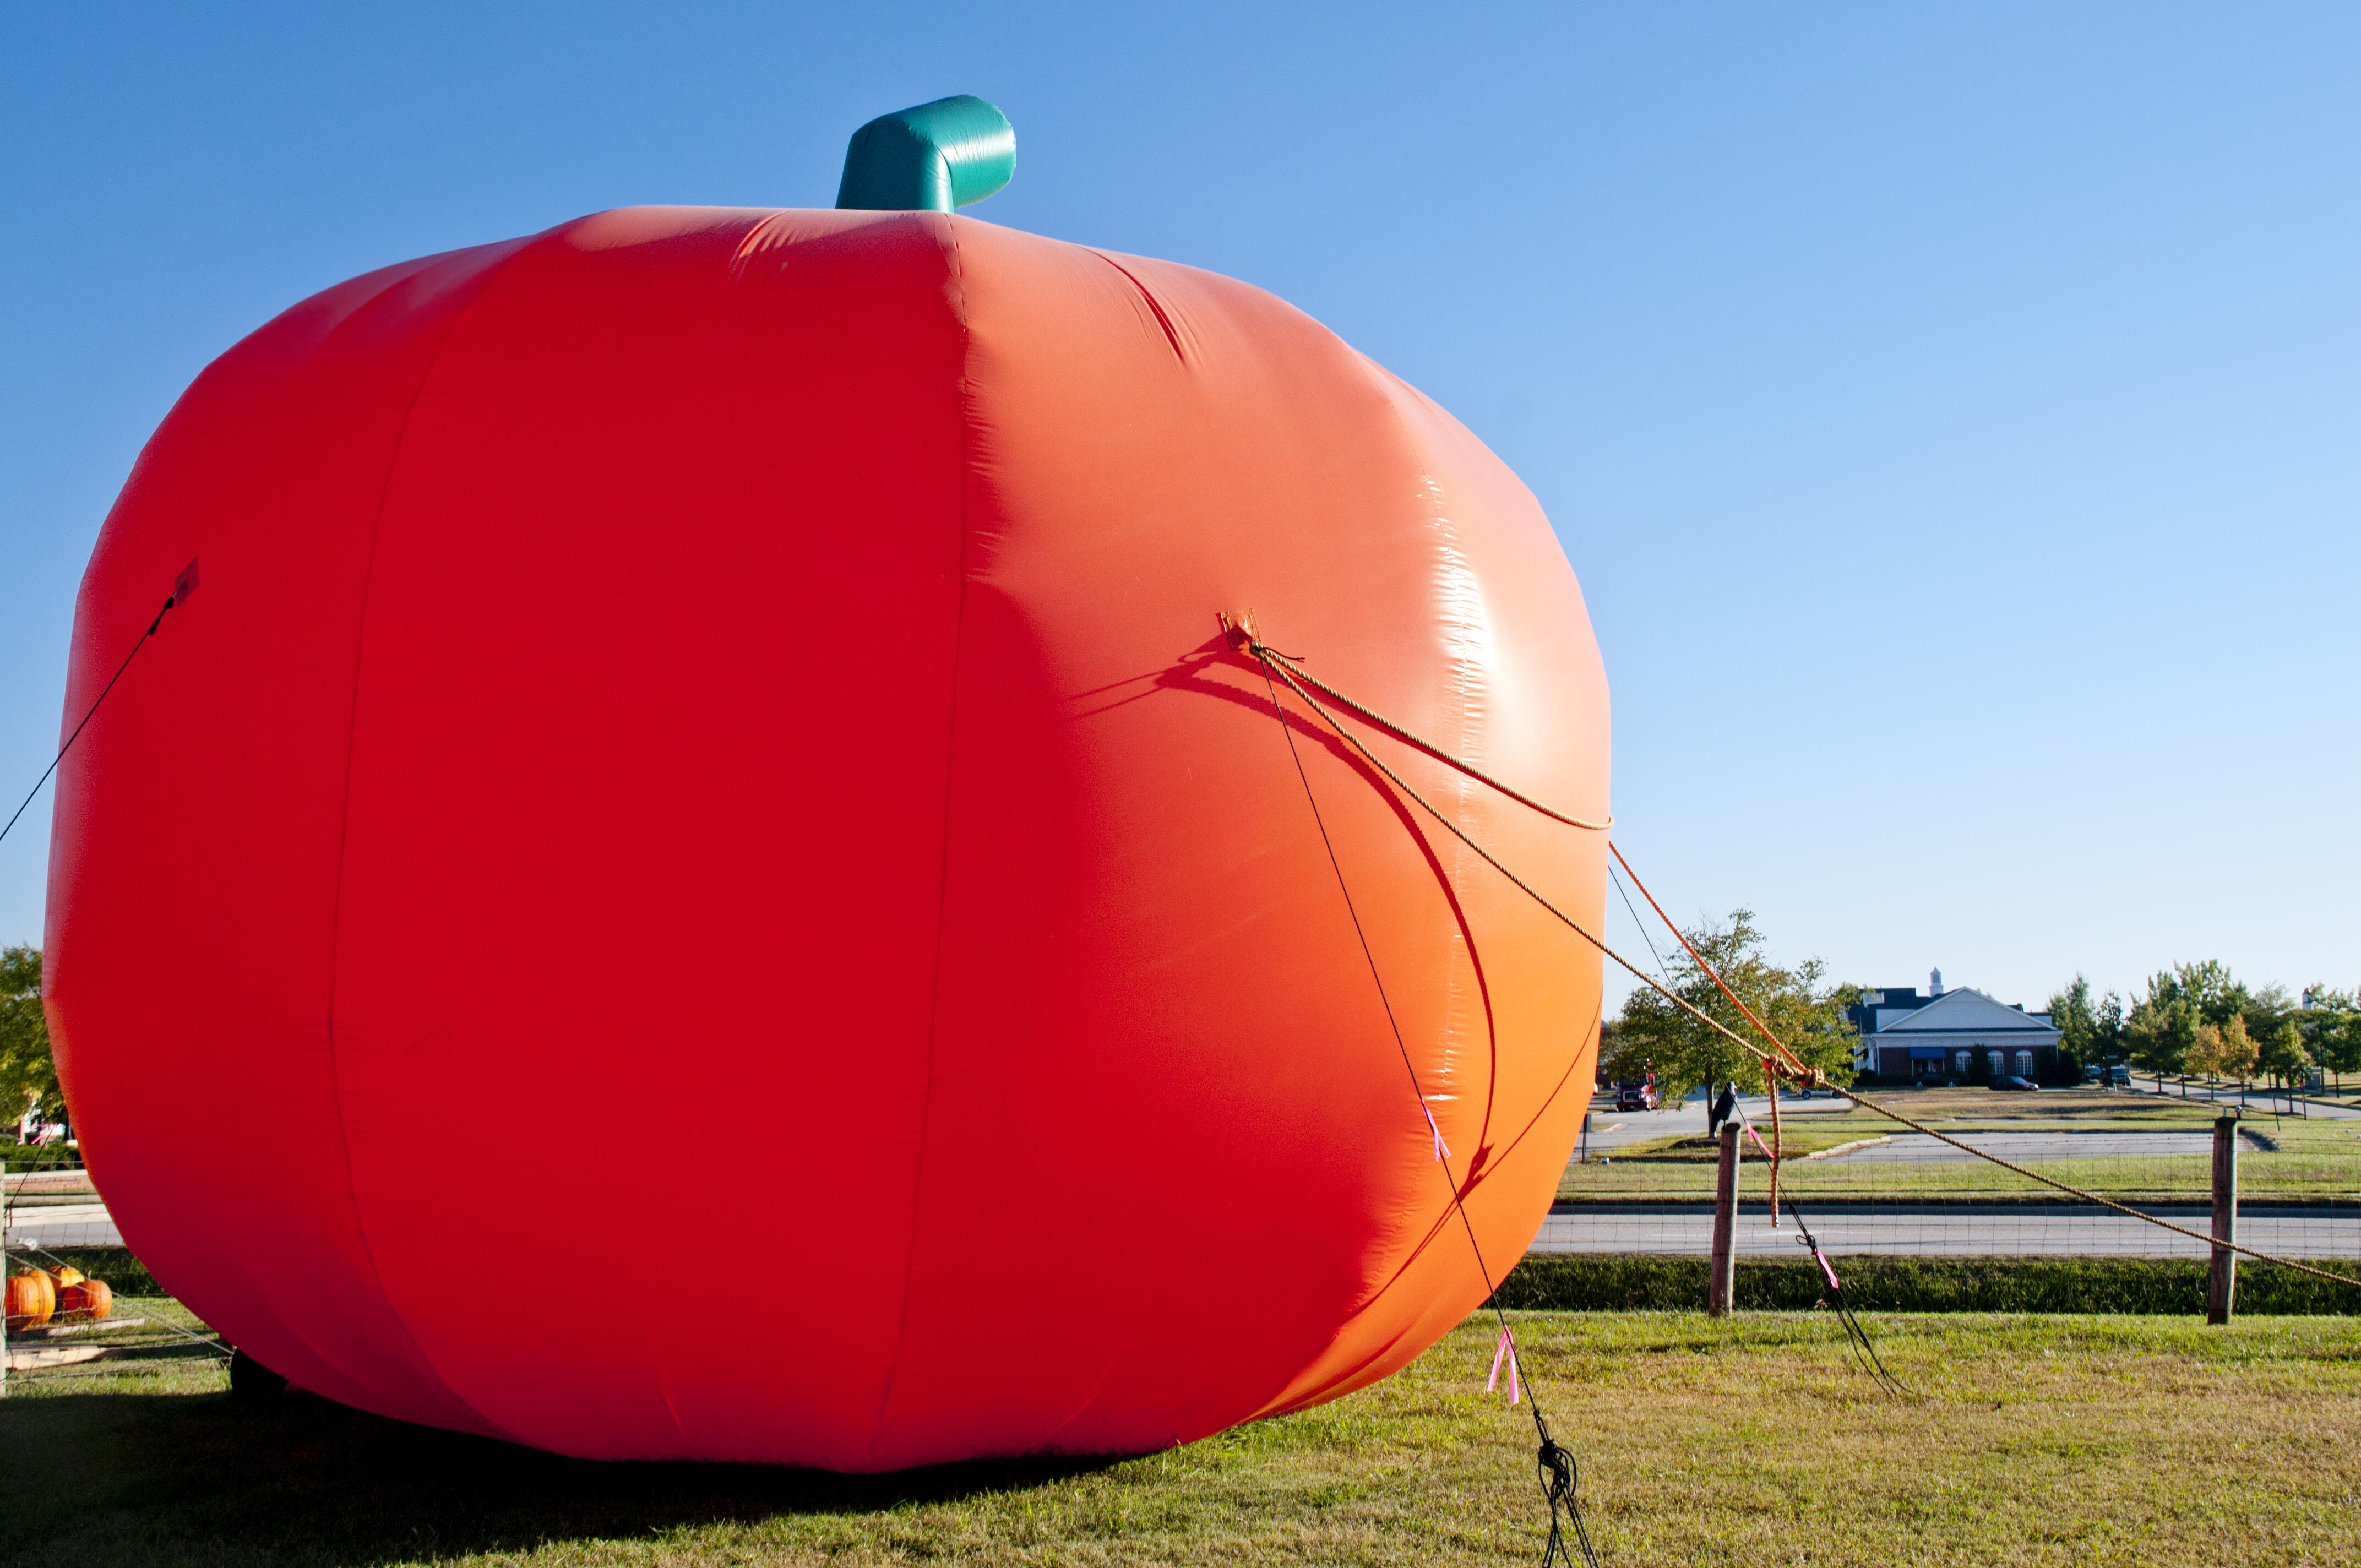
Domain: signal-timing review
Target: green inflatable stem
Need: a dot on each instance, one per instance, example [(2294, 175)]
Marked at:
[(935, 158)]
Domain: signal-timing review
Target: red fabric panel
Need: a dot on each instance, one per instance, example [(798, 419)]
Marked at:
[(654, 701), (192, 877)]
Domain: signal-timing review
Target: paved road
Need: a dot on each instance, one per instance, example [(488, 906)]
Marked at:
[(2259, 1105), (1948, 1231), (1910, 1148), (1612, 1130), (54, 1225)]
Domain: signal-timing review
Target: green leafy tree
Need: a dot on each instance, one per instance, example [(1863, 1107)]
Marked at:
[(2266, 1012), (2161, 1034), (2208, 988), (2088, 1032), (2203, 1057), (1686, 1054), (28, 1075), (2163, 1023), (2224, 1050), (2331, 1025), (2283, 1054)]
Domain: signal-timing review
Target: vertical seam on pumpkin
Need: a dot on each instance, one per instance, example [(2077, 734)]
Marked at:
[(949, 247), (344, 821)]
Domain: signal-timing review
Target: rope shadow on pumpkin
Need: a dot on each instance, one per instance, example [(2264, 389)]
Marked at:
[(1190, 674)]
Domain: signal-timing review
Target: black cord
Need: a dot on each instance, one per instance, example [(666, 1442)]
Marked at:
[(1559, 1475), (1662, 968), (187, 576), (1558, 1466), (1864, 1354)]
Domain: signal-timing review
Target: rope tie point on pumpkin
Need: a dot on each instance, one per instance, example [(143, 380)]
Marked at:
[(1442, 1149), (1244, 638)]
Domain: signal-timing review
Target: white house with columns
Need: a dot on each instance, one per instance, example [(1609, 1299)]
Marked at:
[(1906, 1036)]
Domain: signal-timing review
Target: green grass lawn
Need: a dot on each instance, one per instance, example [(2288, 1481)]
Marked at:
[(2039, 1441)]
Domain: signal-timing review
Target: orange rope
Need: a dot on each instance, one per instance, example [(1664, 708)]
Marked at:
[(1245, 640), (1698, 959)]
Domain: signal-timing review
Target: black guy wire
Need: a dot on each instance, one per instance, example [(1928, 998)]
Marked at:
[(1864, 1353), (1624, 894), (1559, 1473), (173, 599)]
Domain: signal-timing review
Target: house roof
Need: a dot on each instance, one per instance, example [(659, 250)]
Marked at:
[(1967, 1011)]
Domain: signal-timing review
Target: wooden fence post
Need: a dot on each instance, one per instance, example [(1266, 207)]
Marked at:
[(1724, 1223), (2222, 1282)]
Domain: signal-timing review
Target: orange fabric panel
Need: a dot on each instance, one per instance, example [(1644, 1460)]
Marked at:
[(754, 689)]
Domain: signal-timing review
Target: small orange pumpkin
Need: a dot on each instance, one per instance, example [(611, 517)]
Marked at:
[(63, 1274), (85, 1301), (32, 1296)]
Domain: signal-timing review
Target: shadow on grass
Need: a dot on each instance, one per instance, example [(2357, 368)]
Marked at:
[(135, 1478)]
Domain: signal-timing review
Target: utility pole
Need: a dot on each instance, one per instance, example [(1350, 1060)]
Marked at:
[(2222, 1281), (1721, 1272)]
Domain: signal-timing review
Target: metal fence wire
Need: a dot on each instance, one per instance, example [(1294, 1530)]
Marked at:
[(49, 1208), (1920, 1226)]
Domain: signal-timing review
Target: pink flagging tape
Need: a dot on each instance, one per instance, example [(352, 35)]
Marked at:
[(1825, 1269), (1505, 1354), (1442, 1149), (1758, 1140)]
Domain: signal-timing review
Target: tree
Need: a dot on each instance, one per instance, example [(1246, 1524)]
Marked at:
[(1688, 1055), (1980, 1069), (2283, 1055), (2207, 987), (2332, 1030), (2163, 1023), (2161, 1034), (2203, 1056), (2237, 1048), (28, 1075), (2087, 1033)]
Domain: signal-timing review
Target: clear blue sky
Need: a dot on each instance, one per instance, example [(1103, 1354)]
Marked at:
[(1951, 411)]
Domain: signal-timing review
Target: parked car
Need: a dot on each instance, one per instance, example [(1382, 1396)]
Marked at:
[(2118, 1077), (2015, 1082), (1632, 1099)]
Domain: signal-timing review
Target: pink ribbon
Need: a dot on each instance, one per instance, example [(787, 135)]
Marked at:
[(1825, 1269), (1442, 1149), (1505, 1353)]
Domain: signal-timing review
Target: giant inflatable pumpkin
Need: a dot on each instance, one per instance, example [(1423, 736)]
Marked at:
[(703, 749)]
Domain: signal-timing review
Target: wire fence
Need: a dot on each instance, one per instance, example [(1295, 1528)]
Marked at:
[(1944, 1228), (46, 1212), (56, 1206)]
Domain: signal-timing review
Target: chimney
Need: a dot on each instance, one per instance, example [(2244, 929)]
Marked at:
[(1935, 984)]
